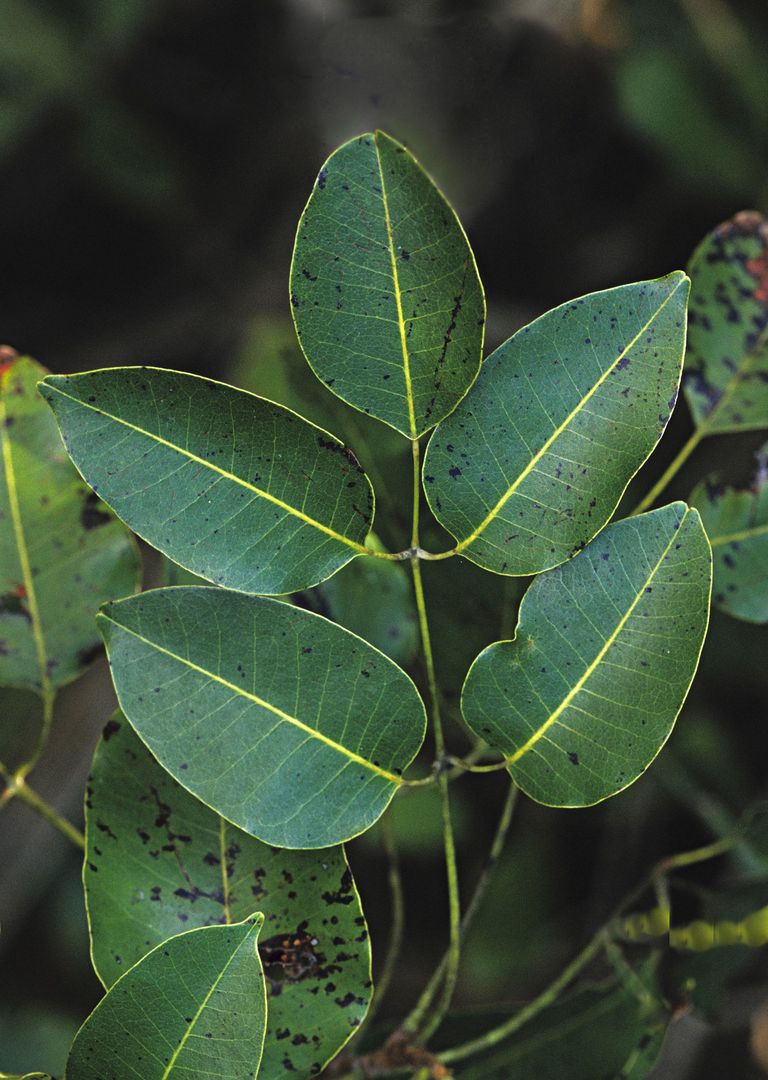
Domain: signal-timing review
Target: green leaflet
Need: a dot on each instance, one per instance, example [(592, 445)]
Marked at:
[(288, 725), (592, 1034), (586, 694), (385, 292), (372, 598), (158, 861), (62, 554), (235, 488), (726, 382), (534, 461), (194, 1007), (737, 526)]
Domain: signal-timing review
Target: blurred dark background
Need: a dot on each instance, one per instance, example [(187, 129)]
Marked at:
[(154, 158)]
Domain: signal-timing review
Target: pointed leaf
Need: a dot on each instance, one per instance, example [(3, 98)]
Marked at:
[(158, 861), (289, 726), (726, 382), (195, 1006), (62, 553), (586, 694), (737, 526), (385, 293), (534, 461), (237, 489)]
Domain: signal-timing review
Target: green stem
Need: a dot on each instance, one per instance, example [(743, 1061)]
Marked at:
[(597, 941), (671, 471), (396, 900), (21, 790), (414, 1020), (48, 696), (494, 855)]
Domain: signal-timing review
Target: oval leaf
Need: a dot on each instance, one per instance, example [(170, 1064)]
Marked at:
[(737, 526), (62, 553), (385, 292), (159, 861), (606, 646), (534, 461), (726, 383), (195, 1005), (289, 726), (237, 489)]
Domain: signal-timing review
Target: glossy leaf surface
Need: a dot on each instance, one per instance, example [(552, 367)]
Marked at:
[(237, 489), (737, 526), (289, 726), (195, 1006), (726, 383), (606, 646), (534, 461), (158, 861), (62, 553), (385, 293)]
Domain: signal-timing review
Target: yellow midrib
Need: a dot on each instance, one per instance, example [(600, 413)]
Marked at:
[(201, 1007), (735, 538), (562, 427), (294, 720), (552, 719), (21, 547), (217, 469), (398, 298)]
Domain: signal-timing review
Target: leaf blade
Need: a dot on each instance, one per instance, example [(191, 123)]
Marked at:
[(293, 490), (726, 383), (737, 525), (159, 861), (321, 770), (210, 979), (517, 501), (50, 523), (375, 215), (569, 741)]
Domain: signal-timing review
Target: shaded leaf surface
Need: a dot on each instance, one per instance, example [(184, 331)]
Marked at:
[(584, 697), (158, 861), (372, 598), (385, 293), (726, 383), (737, 526), (534, 461), (195, 1006), (288, 725), (592, 1034), (237, 489), (62, 553)]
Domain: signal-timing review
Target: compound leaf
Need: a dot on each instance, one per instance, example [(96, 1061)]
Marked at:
[(158, 861), (726, 382), (289, 726), (533, 462), (193, 1006), (385, 292), (62, 553), (737, 526), (586, 694), (237, 489)]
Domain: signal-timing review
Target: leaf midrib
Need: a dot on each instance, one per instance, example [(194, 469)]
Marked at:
[(360, 548), (744, 534), (203, 1003), (398, 297), (294, 720), (561, 428), (589, 672)]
